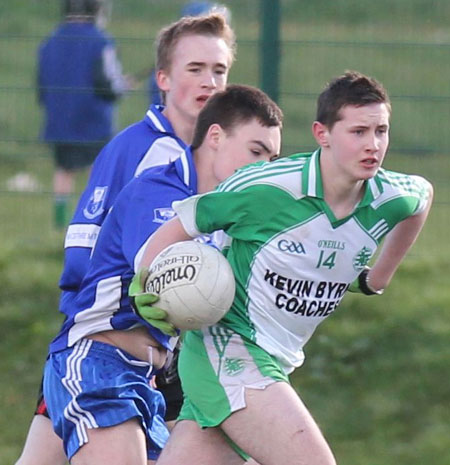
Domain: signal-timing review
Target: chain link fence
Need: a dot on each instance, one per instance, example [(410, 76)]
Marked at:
[(404, 44)]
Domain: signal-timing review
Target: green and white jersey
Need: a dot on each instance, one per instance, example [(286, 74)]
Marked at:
[(293, 260)]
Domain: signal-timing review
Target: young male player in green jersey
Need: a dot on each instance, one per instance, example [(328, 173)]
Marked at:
[(302, 231)]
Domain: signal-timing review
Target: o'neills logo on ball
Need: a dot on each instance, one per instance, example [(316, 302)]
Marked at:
[(178, 275)]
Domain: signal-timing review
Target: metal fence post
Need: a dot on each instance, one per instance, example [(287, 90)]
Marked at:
[(270, 47)]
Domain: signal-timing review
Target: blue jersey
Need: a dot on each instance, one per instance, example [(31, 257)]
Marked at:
[(150, 142), (79, 77), (102, 302)]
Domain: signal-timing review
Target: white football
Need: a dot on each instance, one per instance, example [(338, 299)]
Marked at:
[(194, 282)]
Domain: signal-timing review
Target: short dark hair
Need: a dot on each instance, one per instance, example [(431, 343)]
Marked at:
[(235, 105), (351, 88), (82, 8)]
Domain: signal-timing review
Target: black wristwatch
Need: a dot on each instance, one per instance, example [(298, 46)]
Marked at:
[(363, 282)]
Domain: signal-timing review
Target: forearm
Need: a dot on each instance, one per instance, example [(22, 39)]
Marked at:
[(109, 81), (169, 233)]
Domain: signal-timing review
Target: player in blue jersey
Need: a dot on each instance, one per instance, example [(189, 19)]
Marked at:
[(194, 56), (96, 380), (79, 81), (303, 230)]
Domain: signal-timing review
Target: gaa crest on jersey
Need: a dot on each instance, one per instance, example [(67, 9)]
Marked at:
[(293, 247), (161, 215), (361, 259), (96, 203)]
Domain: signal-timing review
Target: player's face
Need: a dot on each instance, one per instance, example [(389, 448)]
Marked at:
[(359, 140), (199, 68), (246, 143)]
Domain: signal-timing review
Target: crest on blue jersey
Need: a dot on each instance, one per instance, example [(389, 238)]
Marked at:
[(161, 215), (95, 205), (207, 239)]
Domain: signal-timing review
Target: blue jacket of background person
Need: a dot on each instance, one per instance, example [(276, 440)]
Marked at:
[(79, 78)]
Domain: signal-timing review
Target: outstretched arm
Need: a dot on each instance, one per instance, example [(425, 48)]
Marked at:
[(396, 245)]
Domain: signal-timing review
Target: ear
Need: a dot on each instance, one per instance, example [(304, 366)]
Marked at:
[(321, 134), (214, 135), (163, 80)]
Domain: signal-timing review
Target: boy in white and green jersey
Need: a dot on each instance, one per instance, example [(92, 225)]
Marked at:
[(292, 258), (302, 231)]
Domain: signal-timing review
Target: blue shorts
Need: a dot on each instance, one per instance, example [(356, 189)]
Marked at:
[(96, 385)]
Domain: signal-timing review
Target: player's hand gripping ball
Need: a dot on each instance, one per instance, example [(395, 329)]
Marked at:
[(144, 302), (194, 282)]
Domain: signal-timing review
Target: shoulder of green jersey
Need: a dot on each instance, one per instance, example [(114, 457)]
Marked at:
[(377, 230), (284, 174), (395, 185)]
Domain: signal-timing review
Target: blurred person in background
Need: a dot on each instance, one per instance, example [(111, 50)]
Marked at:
[(194, 56), (79, 82)]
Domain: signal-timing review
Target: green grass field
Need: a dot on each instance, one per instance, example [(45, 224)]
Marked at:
[(376, 373)]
